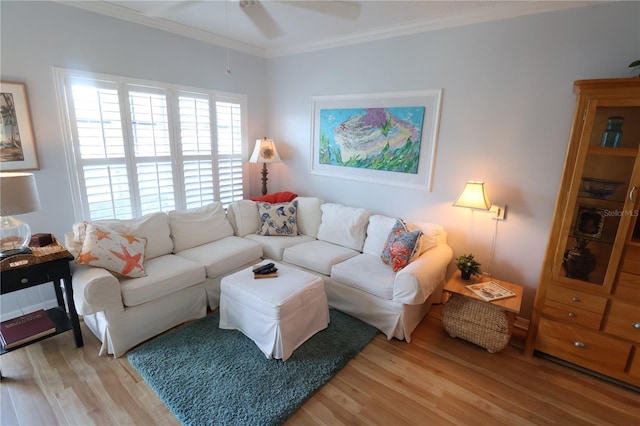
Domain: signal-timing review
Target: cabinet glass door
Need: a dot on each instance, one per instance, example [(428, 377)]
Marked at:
[(601, 199)]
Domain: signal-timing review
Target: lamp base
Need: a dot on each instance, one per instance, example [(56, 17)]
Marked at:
[(264, 178), (14, 252)]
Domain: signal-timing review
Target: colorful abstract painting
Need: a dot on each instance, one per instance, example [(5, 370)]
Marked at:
[(372, 138)]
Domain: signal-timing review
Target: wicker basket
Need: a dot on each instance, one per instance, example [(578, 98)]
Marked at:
[(478, 322), (38, 255)]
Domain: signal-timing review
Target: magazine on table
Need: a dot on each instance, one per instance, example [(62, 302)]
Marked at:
[(490, 290)]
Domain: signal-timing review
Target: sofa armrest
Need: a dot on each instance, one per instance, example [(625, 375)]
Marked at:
[(95, 290), (416, 281)]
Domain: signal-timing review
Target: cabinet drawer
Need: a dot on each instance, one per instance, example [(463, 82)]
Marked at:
[(628, 286), (572, 314), (586, 301), (624, 321), (583, 347), (631, 260)]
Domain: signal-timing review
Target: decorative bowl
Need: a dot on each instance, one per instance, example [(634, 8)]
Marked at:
[(599, 188)]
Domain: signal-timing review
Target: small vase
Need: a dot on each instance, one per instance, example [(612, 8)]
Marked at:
[(465, 275), (613, 134)]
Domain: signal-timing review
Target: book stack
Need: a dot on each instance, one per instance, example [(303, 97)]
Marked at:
[(26, 328), (265, 271)]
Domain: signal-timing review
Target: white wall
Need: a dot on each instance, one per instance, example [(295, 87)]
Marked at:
[(37, 36), (506, 117), (506, 113)]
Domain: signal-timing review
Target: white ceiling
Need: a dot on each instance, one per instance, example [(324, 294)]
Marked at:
[(299, 26)]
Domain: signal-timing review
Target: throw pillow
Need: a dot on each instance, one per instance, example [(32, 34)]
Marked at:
[(117, 252), (278, 219), (276, 197), (400, 246)]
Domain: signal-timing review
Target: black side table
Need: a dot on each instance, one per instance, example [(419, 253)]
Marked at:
[(37, 272)]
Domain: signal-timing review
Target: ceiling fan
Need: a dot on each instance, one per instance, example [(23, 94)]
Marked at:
[(258, 14), (256, 11)]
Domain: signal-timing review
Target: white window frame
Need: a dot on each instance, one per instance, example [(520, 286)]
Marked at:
[(124, 84)]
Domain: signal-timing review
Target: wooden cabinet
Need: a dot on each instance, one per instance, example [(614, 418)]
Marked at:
[(587, 305)]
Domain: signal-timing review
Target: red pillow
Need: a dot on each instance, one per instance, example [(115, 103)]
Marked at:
[(276, 197)]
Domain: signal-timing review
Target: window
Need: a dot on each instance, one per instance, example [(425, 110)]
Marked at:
[(140, 147)]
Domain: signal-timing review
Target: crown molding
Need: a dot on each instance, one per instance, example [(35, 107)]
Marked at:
[(499, 11), (119, 12), (496, 12)]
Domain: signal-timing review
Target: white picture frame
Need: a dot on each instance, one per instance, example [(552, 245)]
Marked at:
[(422, 179)]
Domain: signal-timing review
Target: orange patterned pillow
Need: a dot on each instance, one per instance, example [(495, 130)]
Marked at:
[(117, 252)]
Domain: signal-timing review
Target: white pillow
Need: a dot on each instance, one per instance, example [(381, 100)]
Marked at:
[(199, 226), (343, 225)]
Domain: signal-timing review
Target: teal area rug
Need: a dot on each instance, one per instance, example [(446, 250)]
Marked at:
[(209, 376)]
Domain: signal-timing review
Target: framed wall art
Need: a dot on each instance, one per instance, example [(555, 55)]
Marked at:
[(590, 222), (383, 138), (17, 144)]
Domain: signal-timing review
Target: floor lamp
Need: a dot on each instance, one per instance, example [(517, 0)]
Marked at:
[(265, 152)]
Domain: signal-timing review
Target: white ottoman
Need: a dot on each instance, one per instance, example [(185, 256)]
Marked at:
[(278, 314)]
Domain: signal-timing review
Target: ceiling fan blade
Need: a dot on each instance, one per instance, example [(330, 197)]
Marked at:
[(256, 12), (346, 9)]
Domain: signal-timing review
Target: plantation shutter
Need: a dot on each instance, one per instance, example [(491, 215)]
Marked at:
[(138, 148), (228, 121)]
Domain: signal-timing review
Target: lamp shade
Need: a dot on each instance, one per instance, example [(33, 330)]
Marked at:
[(18, 194), (473, 196), (265, 152)]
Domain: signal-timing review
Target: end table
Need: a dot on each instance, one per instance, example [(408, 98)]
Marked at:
[(46, 264), (487, 324)]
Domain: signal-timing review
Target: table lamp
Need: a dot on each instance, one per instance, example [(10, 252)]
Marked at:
[(18, 195), (265, 152)]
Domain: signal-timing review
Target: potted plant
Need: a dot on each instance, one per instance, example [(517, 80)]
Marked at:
[(468, 266)]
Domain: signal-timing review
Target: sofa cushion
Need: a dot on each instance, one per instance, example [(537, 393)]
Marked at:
[(278, 219), (165, 275), (153, 227), (343, 225), (243, 216), (198, 226), (309, 215), (377, 233), (401, 246), (318, 256), (222, 256), (432, 234), (273, 247), (117, 252), (365, 272)]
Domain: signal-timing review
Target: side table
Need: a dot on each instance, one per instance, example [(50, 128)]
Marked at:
[(487, 324), (43, 266)]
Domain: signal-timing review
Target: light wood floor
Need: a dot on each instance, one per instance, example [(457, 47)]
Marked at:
[(435, 380)]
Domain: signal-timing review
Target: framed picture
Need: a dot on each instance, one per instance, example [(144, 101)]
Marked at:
[(17, 144), (590, 222), (383, 138)]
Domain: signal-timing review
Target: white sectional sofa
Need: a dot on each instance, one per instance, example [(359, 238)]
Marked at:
[(185, 257), (187, 253), (343, 245)]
